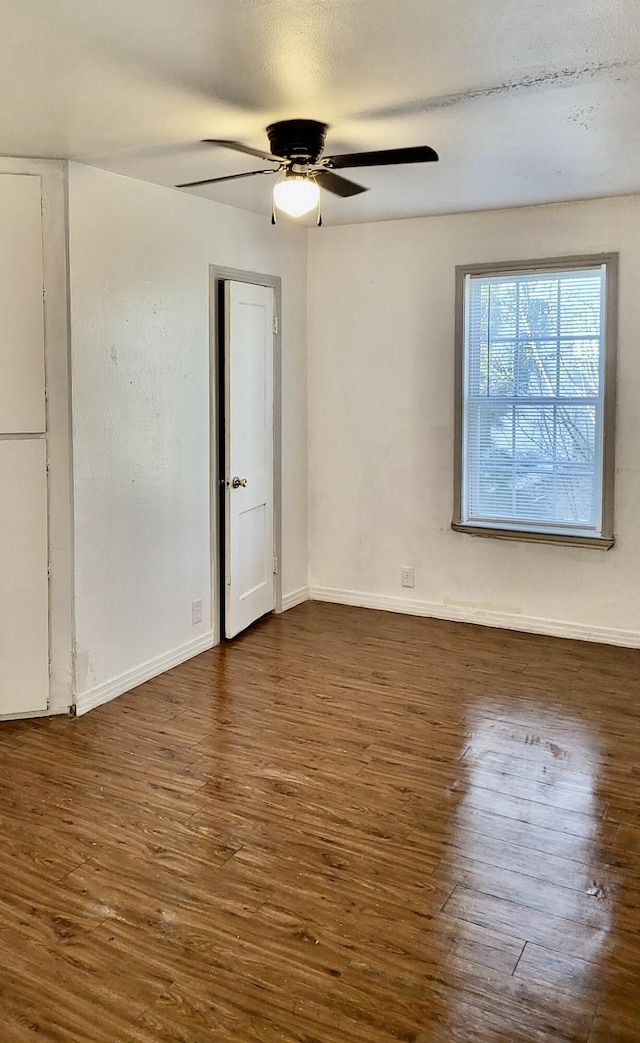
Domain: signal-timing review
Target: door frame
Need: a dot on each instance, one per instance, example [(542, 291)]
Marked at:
[(219, 274)]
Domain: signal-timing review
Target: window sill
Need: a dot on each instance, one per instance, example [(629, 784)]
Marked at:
[(588, 542)]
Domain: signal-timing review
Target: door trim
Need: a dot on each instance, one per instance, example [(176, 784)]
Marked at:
[(219, 274)]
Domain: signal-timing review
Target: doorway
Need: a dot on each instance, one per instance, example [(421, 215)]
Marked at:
[(245, 448)]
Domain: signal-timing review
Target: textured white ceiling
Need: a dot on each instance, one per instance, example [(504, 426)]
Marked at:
[(526, 101)]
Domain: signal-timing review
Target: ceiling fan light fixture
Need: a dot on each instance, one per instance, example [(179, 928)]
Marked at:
[(296, 194), (296, 148)]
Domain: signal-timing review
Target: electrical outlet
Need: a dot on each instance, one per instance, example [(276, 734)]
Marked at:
[(196, 611), (407, 577)]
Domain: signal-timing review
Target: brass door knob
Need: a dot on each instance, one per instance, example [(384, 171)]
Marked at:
[(237, 482)]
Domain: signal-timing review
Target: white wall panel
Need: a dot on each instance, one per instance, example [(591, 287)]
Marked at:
[(22, 406), (24, 614)]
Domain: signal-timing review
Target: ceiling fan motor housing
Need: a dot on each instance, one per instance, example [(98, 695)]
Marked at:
[(297, 140)]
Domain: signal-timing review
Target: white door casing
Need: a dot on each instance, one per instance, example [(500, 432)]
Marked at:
[(249, 502)]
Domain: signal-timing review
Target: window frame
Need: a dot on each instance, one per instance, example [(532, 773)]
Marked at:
[(543, 264)]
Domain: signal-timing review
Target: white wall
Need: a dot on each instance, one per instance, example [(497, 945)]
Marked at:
[(139, 257), (381, 358)]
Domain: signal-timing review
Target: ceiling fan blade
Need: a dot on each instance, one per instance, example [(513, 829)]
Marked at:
[(419, 154), (229, 177), (338, 185), (239, 147)]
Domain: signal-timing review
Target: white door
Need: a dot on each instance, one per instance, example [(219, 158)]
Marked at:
[(249, 547), (22, 404), (24, 584), (24, 594)]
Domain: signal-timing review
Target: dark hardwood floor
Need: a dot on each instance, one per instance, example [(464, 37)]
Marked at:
[(345, 826)]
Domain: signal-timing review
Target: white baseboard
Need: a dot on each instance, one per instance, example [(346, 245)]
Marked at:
[(103, 693), (296, 597), (530, 624)]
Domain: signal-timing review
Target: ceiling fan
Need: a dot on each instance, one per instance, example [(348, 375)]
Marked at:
[(296, 147)]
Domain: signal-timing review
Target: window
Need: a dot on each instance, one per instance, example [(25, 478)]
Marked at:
[(535, 384)]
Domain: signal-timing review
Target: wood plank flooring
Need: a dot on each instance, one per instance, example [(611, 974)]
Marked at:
[(344, 826)]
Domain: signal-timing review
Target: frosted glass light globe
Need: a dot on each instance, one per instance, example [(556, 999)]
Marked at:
[(296, 195)]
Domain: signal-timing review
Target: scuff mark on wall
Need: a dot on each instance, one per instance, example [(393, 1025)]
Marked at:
[(84, 671)]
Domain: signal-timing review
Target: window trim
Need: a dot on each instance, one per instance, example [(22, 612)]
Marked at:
[(543, 264)]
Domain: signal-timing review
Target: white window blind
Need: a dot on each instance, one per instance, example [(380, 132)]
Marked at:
[(533, 400)]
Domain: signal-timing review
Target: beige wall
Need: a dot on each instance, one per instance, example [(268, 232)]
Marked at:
[(381, 356), (140, 257)]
